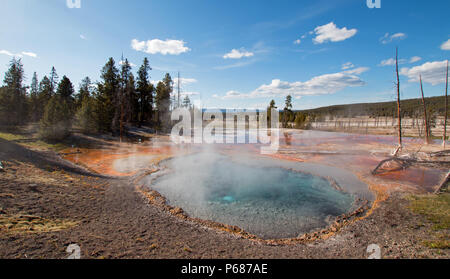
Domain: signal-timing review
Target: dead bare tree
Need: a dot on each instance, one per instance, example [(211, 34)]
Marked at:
[(399, 109), (446, 109), (425, 118)]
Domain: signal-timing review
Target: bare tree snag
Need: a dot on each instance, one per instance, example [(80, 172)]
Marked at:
[(446, 109), (425, 118), (399, 109)]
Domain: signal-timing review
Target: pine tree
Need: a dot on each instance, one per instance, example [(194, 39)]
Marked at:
[(145, 92), (287, 113), (86, 116), (131, 103), (56, 122), (84, 91), (44, 96), (272, 104), (163, 92), (269, 113), (53, 80), (121, 104), (13, 99), (34, 99), (187, 102), (288, 103), (65, 89), (108, 92), (160, 91)]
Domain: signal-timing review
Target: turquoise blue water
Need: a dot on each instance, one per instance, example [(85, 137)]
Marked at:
[(268, 202)]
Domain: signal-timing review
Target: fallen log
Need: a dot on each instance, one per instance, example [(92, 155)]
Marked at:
[(402, 165), (444, 184), (405, 163), (440, 153)]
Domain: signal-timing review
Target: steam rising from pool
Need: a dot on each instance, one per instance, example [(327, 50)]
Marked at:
[(271, 202)]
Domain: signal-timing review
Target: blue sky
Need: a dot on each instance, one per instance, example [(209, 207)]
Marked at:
[(240, 54)]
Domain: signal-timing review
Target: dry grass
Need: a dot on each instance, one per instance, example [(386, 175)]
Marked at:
[(28, 224)]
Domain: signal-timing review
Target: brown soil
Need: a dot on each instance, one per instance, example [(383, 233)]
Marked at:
[(47, 203)]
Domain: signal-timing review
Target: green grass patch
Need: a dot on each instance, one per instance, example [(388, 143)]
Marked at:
[(437, 244), (53, 146), (32, 142), (11, 137), (436, 209)]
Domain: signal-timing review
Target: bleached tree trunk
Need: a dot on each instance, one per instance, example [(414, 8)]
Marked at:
[(446, 109), (399, 109), (425, 118)]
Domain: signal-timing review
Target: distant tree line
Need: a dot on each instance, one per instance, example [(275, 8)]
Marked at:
[(108, 106), (413, 108)]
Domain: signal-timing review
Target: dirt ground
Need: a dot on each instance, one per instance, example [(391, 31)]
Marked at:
[(47, 203)]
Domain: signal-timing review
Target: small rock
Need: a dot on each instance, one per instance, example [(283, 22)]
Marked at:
[(177, 211), (34, 188)]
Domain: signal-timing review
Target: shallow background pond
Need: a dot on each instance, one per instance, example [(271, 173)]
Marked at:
[(269, 202)]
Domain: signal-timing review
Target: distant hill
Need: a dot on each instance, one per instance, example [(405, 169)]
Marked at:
[(410, 108)]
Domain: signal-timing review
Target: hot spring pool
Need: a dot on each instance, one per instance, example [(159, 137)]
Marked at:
[(269, 201)]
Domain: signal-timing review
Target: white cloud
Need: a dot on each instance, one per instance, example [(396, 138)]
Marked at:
[(238, 54), (5, 52), (297, 42), (387, 38), (330, 32), (347, 65), (172, 47), (391, 61), (83, 37), (234, 95), (398, 36), (26, 53), (319, 85), (183, 94), (131, 64), (184, 81), (235, 65), (415, 59), (432, 72), (356, 71), (190, 94), (30, 54), (446, 45)]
